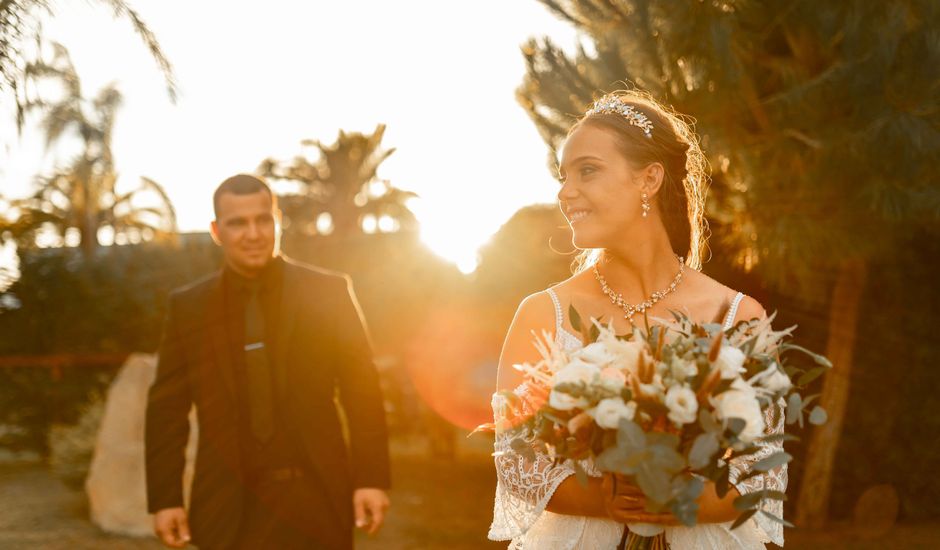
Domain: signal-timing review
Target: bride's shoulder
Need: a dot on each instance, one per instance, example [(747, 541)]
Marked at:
[(713, 290)]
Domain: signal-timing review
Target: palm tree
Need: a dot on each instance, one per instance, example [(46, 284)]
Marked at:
[(84, 196), (340, 194), (821, 121), (19, 25)]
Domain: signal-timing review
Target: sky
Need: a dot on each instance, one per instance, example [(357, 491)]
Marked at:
[(257, 78)]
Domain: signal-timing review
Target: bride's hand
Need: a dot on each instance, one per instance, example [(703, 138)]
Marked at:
[(625, 502)]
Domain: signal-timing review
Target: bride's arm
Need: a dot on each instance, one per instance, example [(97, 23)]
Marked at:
[(528, 485)]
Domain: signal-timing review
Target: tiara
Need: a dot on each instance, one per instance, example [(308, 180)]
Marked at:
[(614, 105)]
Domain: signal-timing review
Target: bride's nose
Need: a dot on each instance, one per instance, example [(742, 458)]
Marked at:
[(567, 192)]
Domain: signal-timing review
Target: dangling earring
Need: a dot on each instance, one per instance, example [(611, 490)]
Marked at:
[(646, 205)]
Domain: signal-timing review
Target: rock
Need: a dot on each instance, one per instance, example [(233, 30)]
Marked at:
[(116, 485)]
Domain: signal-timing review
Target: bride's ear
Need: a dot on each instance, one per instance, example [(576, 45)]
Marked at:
[(651, 178)]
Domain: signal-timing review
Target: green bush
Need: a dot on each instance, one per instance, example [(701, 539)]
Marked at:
[(68, 306)]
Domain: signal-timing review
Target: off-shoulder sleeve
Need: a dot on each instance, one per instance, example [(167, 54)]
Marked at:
[(524, 485), (774, 480)]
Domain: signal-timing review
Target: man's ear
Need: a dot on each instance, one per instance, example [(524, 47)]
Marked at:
[(214, 231)]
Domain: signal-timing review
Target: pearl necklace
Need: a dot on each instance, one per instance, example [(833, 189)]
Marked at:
[(629, 310)]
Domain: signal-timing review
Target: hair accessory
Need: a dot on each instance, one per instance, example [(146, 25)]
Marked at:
[(611, 104)]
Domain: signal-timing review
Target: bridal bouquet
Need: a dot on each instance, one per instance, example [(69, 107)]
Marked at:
[(669, 406)]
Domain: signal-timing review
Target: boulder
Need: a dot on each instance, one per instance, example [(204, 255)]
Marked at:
[(116, 485)]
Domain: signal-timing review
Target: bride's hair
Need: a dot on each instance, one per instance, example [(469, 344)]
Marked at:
[(673, 143)]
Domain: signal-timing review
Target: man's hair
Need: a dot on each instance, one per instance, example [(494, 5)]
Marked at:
[(242, 184)]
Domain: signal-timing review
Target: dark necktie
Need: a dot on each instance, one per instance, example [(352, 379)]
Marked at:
[(260, 398)]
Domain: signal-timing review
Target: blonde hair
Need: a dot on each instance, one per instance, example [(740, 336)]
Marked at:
[(674, 144)]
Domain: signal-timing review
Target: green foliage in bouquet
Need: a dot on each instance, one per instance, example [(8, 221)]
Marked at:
[(671, 406)]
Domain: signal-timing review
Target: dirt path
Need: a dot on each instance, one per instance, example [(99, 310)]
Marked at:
[(436, 504)]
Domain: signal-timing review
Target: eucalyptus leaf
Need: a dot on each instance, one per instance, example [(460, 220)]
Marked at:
[(575, 318), (666, 458), (722, 483), (685, 510), (654, 483), (614, 459), (748, 501), (735, 425), (703, 450), (810, 375), (580, 474), (630, 436), (743, 518), (794, 408), (819, 359), (778, 438), (707, 421), (818, 416), (771, 462), (776, 519)]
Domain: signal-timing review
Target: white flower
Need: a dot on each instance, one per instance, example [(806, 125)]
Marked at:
[(682, 369), (613, 379), (682, 405), (655, 388), (565, 402), (595, 354), (773, 379), (577, 371), (731, 362), (608, 412), (741, 402), (626, 353)]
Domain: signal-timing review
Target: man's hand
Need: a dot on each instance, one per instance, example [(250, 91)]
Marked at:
[(171, 526), (370, 506)]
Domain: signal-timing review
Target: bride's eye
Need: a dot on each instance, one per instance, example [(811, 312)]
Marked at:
[(587, 170)]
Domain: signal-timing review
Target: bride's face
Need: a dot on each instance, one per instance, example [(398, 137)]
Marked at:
[(601, 192)]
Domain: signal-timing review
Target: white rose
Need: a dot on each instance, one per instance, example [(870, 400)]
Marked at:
[(740, 403), (626, 353), (655, 389), (773, 379), (682, 405), (565, 402), (682, 369), (730, 361), (608, 412), (576, 372), (595, 354)]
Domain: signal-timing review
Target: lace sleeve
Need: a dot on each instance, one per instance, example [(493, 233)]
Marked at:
[(523, 485), (775, 479)]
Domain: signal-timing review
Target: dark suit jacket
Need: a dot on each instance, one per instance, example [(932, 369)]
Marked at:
[(320, 346)]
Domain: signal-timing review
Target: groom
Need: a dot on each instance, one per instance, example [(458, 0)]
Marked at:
[(261, 349)]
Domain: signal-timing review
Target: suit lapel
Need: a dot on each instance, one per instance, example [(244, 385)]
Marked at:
[(285, 327), (216, 321)]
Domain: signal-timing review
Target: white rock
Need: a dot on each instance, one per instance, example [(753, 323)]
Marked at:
[(116, 485)]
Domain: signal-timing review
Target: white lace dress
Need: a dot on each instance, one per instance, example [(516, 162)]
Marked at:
[(525, 486)]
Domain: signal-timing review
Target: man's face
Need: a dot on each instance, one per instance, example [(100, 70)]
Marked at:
[(246, 228)]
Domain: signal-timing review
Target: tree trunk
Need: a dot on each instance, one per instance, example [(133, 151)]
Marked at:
[(813, 504)]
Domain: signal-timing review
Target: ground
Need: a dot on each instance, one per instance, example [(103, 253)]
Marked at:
[(437, 504)]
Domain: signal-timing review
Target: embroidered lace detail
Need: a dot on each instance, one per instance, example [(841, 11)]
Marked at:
[(525, 486), (775, 479)]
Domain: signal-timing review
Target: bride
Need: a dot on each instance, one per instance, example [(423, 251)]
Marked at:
[(633, 181)]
